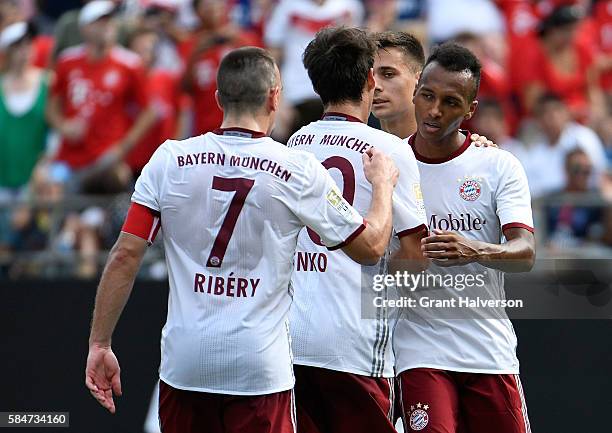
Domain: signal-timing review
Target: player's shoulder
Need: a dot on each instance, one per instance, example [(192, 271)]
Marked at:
[(70, 54), (495, 154), (397, 148), (495, 159), (383, 139), (125, 57)]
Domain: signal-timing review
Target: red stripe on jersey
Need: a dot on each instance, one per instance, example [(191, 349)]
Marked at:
[(517, 226), (142, 221), (311, 25), (411, 231), (350, 238)]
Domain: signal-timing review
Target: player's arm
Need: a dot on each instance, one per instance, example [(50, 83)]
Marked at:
[(140, 228), (409, 216), (102, 373), (71, 129), (370, 245), (409, 257), (513, 209), (517, 254), (321, 207)]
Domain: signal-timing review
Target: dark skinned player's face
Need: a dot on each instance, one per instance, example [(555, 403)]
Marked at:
[(442, 100)]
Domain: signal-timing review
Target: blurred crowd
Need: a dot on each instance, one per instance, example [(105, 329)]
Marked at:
[(90, 89)]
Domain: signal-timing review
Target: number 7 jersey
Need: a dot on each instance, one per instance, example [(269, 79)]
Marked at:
[(231, 206)]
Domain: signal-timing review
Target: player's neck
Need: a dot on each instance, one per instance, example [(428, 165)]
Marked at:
[(250, 122), (97, 51), (438, 149), (357, 110), (400, 127)]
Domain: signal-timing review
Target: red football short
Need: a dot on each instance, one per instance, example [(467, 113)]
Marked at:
[(439, 401), (334, 401), (200, 412)]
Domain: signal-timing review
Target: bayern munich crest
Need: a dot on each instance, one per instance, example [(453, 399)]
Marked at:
[(470, 190), (419, 418)]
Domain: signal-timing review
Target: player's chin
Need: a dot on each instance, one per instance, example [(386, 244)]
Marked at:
[(380, 112)]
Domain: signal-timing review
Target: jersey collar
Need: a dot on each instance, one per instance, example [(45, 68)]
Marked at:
[(453, 155), (239, 132), (332, 115)]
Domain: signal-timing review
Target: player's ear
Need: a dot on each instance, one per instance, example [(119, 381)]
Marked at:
[(470, 113), (274, 98), (218, 101), (371, 80)]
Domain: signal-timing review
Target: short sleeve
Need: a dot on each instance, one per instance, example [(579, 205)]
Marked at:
[(276, 28), (322, 208), (512, 196), (147, 191), (409, 214)]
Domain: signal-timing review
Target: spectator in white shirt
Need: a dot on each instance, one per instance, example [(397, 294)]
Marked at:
[(544, 161)]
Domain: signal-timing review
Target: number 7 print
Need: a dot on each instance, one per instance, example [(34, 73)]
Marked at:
[(242, 187)]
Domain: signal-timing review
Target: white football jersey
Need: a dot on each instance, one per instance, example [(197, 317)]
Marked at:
[(477, 193), (331, 325), (232, 204)]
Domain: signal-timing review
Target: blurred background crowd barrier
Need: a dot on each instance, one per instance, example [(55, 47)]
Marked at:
[(89, 91)]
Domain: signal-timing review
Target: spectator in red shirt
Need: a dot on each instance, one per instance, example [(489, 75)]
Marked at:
[(96, 86), (494, 80), (204, 51), (561, 65), (164, 96)]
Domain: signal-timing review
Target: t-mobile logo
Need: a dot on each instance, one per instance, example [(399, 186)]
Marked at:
[(464, 223)]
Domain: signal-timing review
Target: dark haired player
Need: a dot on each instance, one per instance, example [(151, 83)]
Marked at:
[(397, 67), (343, 360), (459, 373), (232, 203)]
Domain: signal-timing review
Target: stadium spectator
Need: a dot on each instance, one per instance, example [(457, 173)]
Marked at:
[(449, 18), (160, 16), (602, 35), (23, 98), (96, 85), (203, 52), (292, 26), (565, 66), (68, 32), (279, 191), (380, 14), (569, 224), (544, 160), (495, 79), (162, 88), (490, 120), (11, 12)]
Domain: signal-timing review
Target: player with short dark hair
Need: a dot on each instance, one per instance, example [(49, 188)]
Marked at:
[(232, 203), (327, 62), (397, 67), (457, 367), (343, 359)]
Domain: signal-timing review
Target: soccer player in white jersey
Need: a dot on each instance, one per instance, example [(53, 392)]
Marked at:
[(458, 370), (342, 355), (232, 203)]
